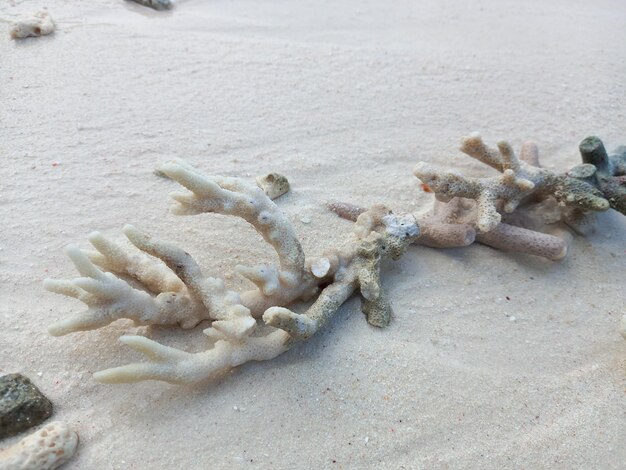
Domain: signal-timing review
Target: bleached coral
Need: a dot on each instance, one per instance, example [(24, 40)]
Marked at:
[(503, 194), (38, 24), (46, 449), (175, 291)]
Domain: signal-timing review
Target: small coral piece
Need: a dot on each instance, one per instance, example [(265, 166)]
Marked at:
[(46, 449), (38, 24), (607, 173), (273, 185), (504, 193)]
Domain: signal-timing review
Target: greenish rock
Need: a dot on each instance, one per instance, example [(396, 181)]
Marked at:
[(22, 405)]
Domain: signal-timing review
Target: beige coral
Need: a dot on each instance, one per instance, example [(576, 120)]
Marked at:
[(257, 325), (46, 449)]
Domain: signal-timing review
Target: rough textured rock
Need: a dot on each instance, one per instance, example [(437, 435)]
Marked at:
[(22, 405)]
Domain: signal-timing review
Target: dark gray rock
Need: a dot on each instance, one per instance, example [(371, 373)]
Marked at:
[(22, 405)]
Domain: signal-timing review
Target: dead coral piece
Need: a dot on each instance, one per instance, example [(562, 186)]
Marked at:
[(506, 192), (38, 24), (273, 185), (46, 449), (155, 4), (607, 173), (22, 405)]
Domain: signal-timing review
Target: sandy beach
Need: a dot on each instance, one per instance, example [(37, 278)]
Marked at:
[(492, 360)]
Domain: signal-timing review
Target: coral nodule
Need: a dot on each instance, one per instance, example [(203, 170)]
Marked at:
[(38, 24), (45, 449)]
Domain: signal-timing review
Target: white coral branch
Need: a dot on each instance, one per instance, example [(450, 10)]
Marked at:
[(233, 196), (110, 298), (175, 366)]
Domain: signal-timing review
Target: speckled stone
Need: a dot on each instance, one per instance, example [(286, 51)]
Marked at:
[(22, 405)]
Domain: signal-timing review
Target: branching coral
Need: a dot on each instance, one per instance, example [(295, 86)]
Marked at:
[(163, 285), (520, 179), (175, 291)]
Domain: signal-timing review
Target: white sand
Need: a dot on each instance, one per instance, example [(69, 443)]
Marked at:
[(343, 99)]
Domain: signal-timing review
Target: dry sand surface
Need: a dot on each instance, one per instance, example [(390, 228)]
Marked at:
[(492, 360)]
